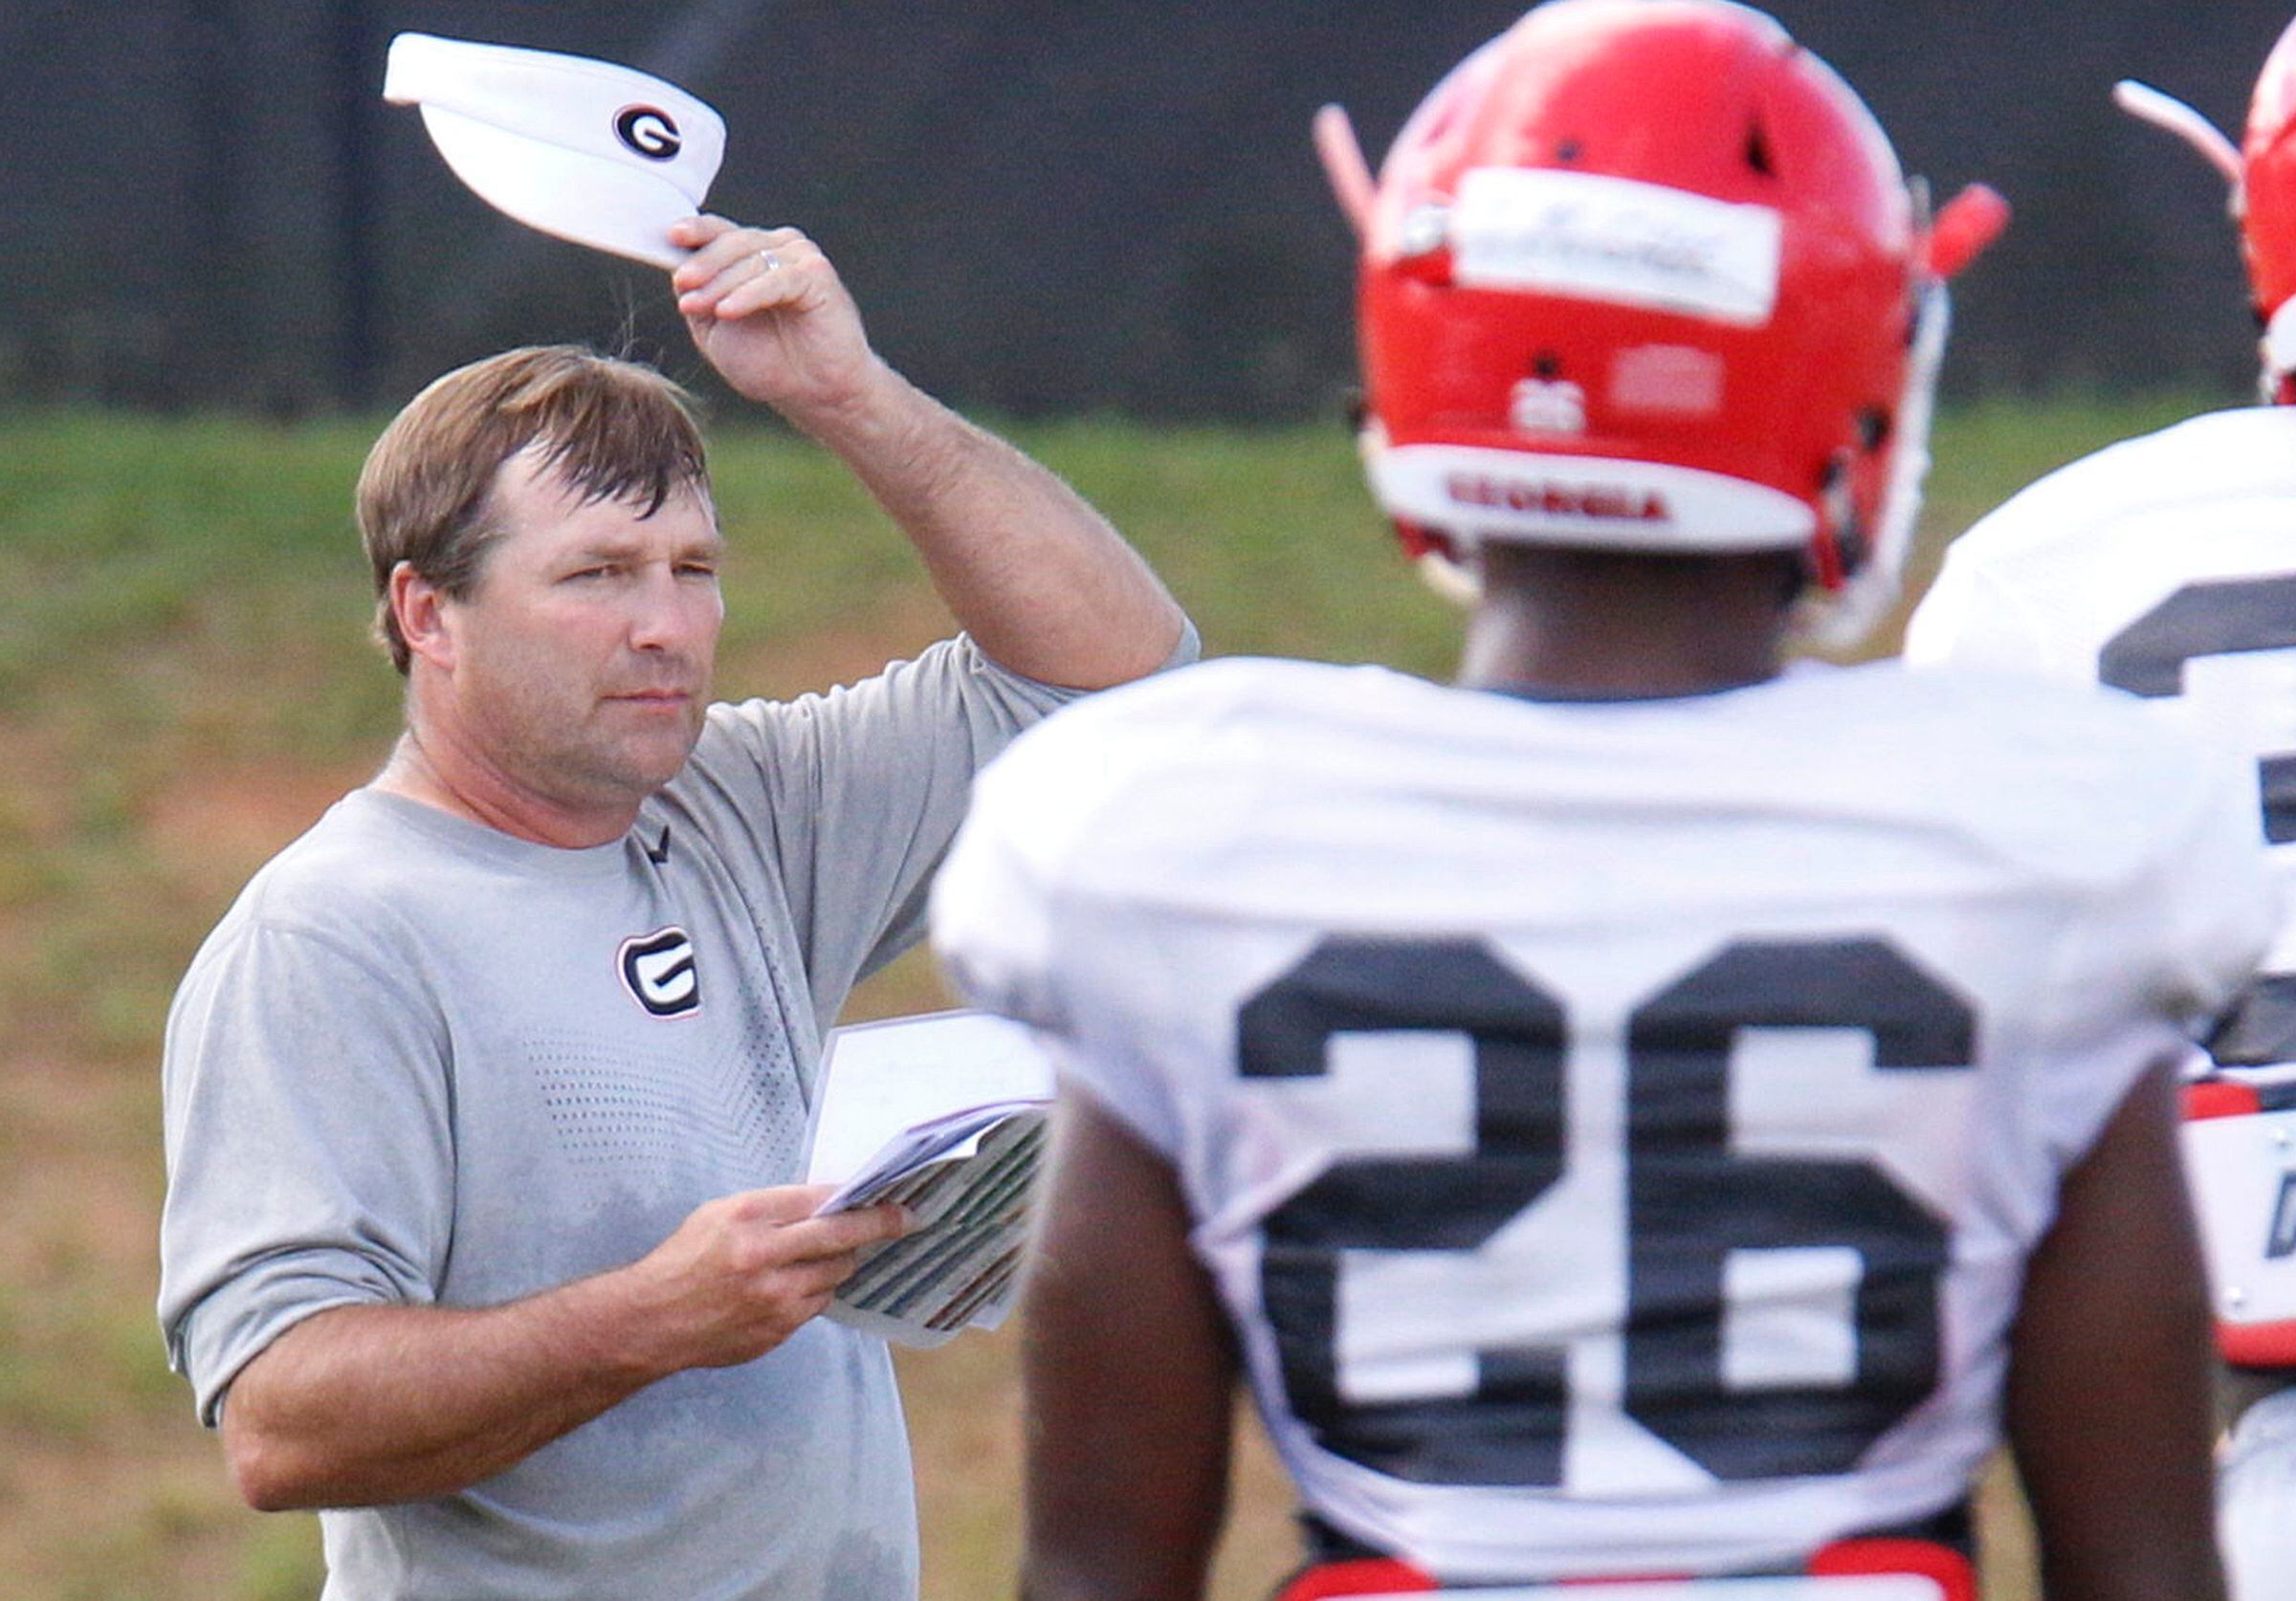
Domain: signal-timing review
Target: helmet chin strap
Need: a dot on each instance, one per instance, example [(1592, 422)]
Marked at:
[(1441, 561), (1457, 581)]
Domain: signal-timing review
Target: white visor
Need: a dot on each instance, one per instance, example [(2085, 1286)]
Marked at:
[(602, 155)]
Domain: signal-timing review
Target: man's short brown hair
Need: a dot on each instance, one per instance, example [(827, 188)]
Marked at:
[(612, 429)]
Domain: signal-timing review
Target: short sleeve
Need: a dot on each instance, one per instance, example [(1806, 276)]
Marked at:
[(2145, 975), (1018, 929), (991, 907), (2223, 902), (309, 1142), (1971, 619), (1141, 1102)]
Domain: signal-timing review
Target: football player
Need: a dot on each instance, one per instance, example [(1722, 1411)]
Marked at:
[(1645, 1113), (2166, 566)]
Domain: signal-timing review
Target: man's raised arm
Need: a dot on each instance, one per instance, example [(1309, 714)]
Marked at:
[(1038, 578)]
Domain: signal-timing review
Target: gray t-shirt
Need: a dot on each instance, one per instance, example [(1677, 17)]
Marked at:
[(421, 1061)]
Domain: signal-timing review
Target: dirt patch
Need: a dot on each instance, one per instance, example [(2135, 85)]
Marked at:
[(146, 1513), (85, 1222), (211, 829), (36, 789), (964, 1402)]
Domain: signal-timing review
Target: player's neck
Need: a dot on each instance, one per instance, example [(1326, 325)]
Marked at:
[(1577, 624)]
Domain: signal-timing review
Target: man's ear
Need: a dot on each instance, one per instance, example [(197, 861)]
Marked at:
[(419, 608)]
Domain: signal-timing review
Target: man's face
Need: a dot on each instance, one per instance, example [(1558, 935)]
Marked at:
[(582, 658)]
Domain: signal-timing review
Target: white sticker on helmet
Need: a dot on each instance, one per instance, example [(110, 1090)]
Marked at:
[(1597, 238), (1547, 406)]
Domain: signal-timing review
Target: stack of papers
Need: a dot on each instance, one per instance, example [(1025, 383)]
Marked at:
[(945, 1114)]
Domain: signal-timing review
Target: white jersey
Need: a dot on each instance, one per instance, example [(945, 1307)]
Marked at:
[(1616, 1130), (2165, 566)]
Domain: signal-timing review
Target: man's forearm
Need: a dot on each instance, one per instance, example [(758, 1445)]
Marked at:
[(365, 1405), (359, 1405), (1031, 571)]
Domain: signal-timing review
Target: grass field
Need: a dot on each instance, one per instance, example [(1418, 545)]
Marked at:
[(184, 685)]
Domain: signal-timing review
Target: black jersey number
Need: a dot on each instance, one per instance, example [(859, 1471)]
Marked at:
[(1692, 1200), (2225, 616), (2231, 618)]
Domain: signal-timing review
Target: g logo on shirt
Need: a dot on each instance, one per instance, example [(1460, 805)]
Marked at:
[(658, 971)]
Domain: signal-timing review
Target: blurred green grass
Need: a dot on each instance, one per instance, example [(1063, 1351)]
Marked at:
[(186, 681)]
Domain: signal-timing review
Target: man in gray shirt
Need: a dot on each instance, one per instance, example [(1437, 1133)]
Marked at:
[(484, 1101)]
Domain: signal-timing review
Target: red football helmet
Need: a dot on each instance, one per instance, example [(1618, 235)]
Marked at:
[(2266, 201), (2262, 174), (1645, 275)]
